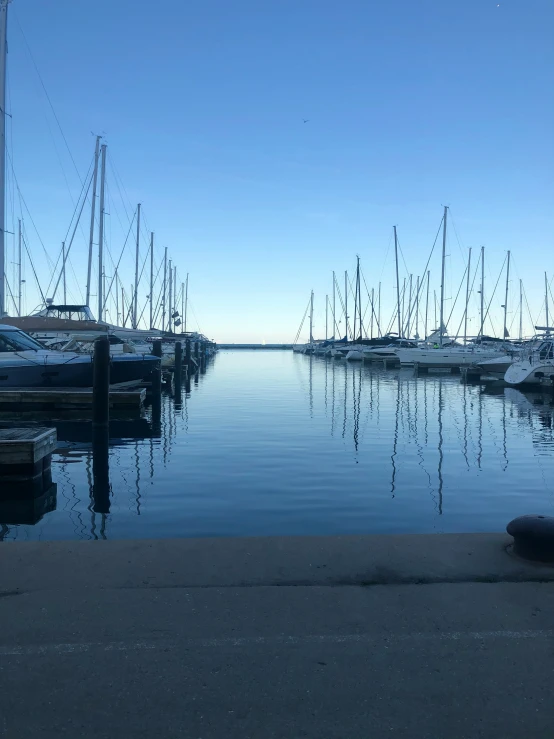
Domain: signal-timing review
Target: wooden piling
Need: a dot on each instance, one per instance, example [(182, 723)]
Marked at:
[(178, 364), (101, 383), (188, 354)]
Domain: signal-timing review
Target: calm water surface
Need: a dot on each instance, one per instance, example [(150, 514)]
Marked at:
[(270, 442)]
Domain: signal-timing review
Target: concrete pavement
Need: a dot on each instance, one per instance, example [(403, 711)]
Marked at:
[(276, 638)]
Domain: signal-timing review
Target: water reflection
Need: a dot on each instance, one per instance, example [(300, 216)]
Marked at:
[(260, 443)]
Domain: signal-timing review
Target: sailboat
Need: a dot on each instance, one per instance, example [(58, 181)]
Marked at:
[(444, 353)]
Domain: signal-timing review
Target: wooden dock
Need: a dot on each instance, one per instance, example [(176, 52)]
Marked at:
[(60, 398), (26, 446)]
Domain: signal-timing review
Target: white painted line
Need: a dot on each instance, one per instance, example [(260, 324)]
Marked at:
[(270, 641)]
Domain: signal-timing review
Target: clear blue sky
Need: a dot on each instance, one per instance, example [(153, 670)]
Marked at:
[(411, 104)]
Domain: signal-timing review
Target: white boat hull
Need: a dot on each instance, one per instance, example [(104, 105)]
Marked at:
[(444, 358), (525, 373)]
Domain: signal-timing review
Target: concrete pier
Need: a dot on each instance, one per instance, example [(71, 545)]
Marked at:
[(404, 636)]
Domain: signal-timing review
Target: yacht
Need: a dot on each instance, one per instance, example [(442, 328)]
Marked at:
[(25, 363), (536, 367)]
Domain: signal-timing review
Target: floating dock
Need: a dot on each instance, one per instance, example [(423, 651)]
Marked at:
[(60, 398)]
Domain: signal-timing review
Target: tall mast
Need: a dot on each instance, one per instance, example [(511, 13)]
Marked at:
[(135, 291), (20, 281), (444, 218), (355, 335), (3, 54), (359, 299), (170, 297), (346, 302), (427, 304), (520, 310), (326, 317), (123, 314), (92, 215), (182, 305), (372, 308), (101, 236), (311, 318), (467, 295), (546, 299), (435, 304), (379, 312), (397, 283), (64, 276), (174, 298), (409, 316), (151, 279), (116, 297), (506, 334), (403, 322), (334, 314), (164, 289), (482, 330), (417, 310), (186, 300)]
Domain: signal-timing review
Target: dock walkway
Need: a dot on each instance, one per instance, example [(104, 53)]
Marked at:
[(324, 637)]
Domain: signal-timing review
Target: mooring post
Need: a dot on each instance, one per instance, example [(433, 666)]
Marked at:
[(178, 364), (157, 386), (196, 350), (101, 425), (188, 353), (101, 383)]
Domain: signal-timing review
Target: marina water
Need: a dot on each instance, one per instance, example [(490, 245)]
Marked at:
[(271, 442)]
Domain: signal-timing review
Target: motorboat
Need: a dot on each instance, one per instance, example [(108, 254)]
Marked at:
[(449, 357), (24, 362), (388, 353), (536, 367)]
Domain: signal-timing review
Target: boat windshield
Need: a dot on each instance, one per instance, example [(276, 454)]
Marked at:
[(17, 341), (546, 350)]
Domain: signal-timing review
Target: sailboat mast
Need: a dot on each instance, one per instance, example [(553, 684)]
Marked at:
[(355, 335), (409, 317), (3, 54), (116, 297), (164, 289), (123, 314), (359, 298), (379, 311), (186, 300), (520, 309), (170, 297), (135, 291), (92, 215), (506, 334), (64, 278), (174, 298), (397, 283), (427, 304), (326, 317), (151, 279), (101, 235), (546, 300), (417, 310), (481, 332), (334, 314), (372, 309), (441, 328), (467, 295), (20, 281), (346, 302), (311, 317), (182, 304)]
